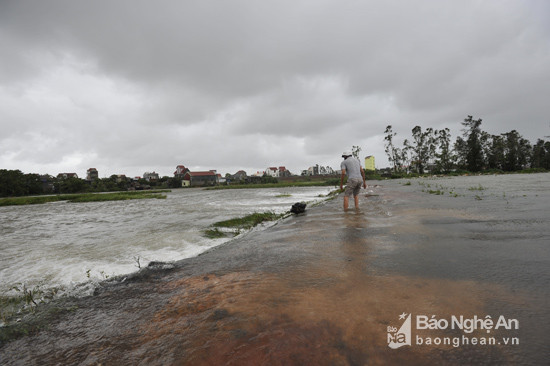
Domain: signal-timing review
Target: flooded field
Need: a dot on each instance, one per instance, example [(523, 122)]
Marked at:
[(336, 288)]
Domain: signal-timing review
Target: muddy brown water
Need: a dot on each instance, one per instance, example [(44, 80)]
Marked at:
[(322, 288)]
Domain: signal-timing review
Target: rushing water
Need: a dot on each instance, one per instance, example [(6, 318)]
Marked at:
[(63, 244)]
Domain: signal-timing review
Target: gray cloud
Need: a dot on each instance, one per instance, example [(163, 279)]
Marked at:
[(129, 86)]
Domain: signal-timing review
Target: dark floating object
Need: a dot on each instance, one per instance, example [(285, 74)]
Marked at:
[(298, 208)]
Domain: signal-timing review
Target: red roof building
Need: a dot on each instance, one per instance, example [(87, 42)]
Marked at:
[(180, 171), (92, 174), (205, 178)]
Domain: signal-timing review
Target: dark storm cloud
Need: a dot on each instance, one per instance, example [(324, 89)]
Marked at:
[(136, 84)]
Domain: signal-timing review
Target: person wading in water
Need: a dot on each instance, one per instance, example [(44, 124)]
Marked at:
[(356, 177)]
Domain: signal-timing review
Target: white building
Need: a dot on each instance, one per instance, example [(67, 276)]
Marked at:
[(277, 172), (150, 176)]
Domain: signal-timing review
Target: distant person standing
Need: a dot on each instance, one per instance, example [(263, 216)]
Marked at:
[(356, 177)]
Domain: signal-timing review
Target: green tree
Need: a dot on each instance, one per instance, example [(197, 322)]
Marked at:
[(71, 185), (444, 154), (97, 185), (32, 184), (123, 183), (495, 158), (546, 164), (460, 152), (540, 155), (517, 151), (395, 155), (11, 183), (524, 158), (15, 183), (110, 184), (423, 148), (175, 182), (355, 150), (474, 153)]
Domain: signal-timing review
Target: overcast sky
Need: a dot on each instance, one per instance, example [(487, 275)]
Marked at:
[(133, 86)]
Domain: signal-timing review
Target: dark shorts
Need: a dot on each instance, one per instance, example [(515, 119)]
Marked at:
[(353, 187)]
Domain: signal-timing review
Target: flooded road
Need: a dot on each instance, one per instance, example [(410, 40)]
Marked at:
[(331, 288)]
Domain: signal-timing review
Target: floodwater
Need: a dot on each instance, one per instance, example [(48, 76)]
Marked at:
[(329, 287), (72, 246)]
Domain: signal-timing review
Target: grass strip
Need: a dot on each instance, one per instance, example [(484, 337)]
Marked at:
[(113, 197), (239, 223), (248, 221), (215, 233), (83, 197), (17, 201)]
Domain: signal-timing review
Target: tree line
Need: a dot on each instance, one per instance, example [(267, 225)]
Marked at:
[(474, 151), (15, 183)]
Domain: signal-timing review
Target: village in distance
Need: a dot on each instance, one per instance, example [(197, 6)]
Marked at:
[(28, 184)]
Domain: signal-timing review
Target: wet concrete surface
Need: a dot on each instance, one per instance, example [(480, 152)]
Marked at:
[(316, 289)]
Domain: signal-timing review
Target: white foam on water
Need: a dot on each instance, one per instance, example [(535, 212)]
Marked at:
[(65, 245)]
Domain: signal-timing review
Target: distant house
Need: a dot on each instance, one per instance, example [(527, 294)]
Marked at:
[(313, 170), (284, 172), (221, 180), (369, 163), (277, 172), (196, 179), (180, 171), (272, 172), (121, 178), (66, 175), (239, 176), (326, 170), (92, 174), (318, 170), (151, 177)]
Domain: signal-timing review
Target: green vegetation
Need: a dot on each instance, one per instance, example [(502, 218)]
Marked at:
[(215, 233), (15, 311), (26, 300), (370, 175), (118, 196), (15, 201), (240, 223), (441, 190), (84, 197), (478, 188), (330, 196), (248, 221), (283, 195), (474, 151), (14, 183)]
